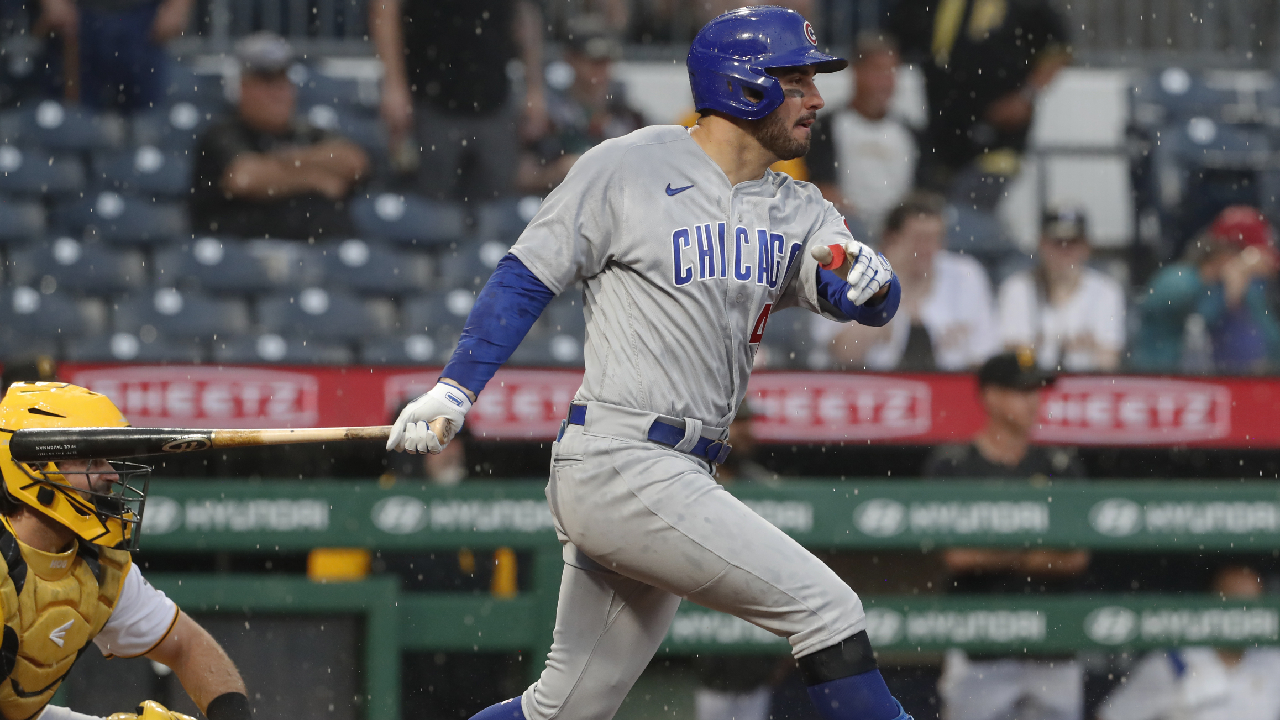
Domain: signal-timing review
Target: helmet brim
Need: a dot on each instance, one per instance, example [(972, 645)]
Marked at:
[(819, 61)]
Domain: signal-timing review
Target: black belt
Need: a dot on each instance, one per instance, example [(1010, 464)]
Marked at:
[(665, 433)]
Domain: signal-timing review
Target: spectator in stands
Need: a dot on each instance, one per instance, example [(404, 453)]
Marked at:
[(1203, 683), (1220, 288), (592, 109), (445, 66), (984, 62), (264, 172), (998, 686), (112, 51), (946, 320), (1069, 313), (862, 158)]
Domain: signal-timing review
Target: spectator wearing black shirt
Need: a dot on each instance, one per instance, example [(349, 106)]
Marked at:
[(981, 686), (445, 66), (984, 63), (592, 109), (120, 58), (265, 173)]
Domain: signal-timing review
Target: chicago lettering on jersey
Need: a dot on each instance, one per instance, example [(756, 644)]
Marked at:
[(707, 252)]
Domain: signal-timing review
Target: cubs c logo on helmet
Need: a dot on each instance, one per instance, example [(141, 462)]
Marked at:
[(809, 33)]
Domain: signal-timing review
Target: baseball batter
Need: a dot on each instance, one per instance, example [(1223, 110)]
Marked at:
[(67, 578), (685, 243)]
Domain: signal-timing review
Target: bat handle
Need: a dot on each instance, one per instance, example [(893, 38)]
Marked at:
[(443, 429)]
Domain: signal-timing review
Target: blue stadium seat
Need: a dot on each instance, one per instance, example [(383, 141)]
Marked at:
[(373, 269), (315, 313), (184, 85), (416, 349), (177, 127), (787, 340), (25, 312), (123, 220), (363, 129), (274, 348), (35, 172), (54, 126), (408, 219), (504, 220), (20, 221), (145, 170), (315, 88), (81, 268), (549, 350), (14, 348), (128, 347), (564, 314), (1175, 95), (437, 313), (214, 265), (1202, 142), (979, 234), (176, 315), (859, 230), (468, 265)]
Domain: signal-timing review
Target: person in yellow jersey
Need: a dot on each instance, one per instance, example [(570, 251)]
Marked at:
[(67, 577)]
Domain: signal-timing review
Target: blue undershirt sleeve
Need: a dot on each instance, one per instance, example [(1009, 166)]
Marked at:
[(506, 308), (835, 292)]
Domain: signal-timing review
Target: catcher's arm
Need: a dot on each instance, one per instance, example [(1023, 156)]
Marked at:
[(204, 669)]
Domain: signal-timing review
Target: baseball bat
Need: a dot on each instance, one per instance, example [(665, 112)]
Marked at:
[(45, 444)]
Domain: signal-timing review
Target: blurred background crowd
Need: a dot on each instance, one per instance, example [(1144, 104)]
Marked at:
[(179, 170), (1079, 187)]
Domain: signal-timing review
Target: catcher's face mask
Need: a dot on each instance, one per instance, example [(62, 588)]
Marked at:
[(99, 501)]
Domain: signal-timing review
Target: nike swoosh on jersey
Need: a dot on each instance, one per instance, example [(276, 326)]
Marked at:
[(676, 191)]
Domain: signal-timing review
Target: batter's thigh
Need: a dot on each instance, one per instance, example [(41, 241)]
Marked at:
[(607, 628), (657, 516)]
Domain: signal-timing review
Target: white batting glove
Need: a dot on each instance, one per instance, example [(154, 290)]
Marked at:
[(412, 432), (870, 272)]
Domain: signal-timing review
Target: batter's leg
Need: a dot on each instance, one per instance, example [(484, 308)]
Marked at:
[(607, 629)]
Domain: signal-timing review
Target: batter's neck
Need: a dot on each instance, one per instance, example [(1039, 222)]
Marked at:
[(739, 155)]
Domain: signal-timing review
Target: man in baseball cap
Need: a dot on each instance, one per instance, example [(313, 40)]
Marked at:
[(264, 172), (981, 685)]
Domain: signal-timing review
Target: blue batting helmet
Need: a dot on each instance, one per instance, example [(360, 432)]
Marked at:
[(734, 52)]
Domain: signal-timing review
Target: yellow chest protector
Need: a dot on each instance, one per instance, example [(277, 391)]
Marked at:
[(53, 605)]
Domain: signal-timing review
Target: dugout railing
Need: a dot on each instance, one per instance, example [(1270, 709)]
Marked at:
[(238, 516)]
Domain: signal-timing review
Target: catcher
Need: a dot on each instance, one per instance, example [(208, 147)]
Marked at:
[(67, 576)]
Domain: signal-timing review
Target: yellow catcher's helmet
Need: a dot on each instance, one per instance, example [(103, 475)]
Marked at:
[(107, 515)]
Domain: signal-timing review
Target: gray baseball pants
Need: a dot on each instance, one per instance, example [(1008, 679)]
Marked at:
[(644, 526)]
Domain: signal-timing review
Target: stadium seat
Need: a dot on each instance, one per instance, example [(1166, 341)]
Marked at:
[(177, 127), (373, 269), (26, 312), (417, 349), (177, 315), (365, 130), (16, 349), (1175, 95), (82, 268), (979, 234), (468, 265), (54, 126), (186, 86), (20, 221), (214, 265), (437, 313), (552, 349), (315, 88), (274, 348), (128, 347), (33, 172), (564, 314), (504, 220), (787, 341), (1204, 142), (316, 313), (119, 219), (407, 219), (145, 170)]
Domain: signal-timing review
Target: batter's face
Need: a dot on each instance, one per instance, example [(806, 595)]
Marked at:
[(785, 132)]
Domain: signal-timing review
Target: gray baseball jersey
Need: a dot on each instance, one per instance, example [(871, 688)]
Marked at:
[(680, 270)]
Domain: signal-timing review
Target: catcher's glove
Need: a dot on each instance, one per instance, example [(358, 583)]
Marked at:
[(150, 710)]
